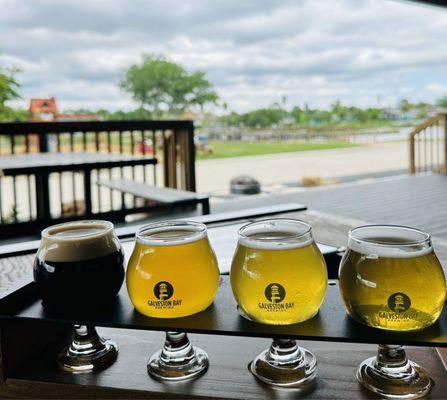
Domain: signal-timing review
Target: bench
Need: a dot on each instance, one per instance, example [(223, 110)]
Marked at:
[(167, 196)]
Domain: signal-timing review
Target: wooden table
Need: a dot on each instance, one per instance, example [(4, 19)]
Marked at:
[(228, 377), (43, 164)]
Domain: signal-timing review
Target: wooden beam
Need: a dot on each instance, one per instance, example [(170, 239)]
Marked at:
[(19, 340)]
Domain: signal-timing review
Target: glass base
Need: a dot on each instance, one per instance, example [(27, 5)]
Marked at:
[(178, 360), (392, 376), (285, 364), (87, 352)]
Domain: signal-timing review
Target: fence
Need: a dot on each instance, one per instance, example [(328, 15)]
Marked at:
[(428, 146), (170, 143)]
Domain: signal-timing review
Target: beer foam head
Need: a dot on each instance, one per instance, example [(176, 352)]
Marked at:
[(78, 241), (171, 233), (389, 241), (276, 234)]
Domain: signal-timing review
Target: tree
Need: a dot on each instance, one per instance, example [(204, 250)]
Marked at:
[(161, 86), (442, 102), (299, 115), (339, 111), (8, 91), (8, 85), (404, 105), (231, 119), (264, 117)]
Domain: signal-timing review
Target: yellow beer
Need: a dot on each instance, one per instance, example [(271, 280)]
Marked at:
[(173, 270), (278, 274), (390, 278)]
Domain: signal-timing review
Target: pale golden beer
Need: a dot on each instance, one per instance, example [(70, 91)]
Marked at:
[(278, 274), (390, 278), (173, 270)]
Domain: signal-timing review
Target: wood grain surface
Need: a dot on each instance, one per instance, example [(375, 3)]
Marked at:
[(15, 272), (227, 377)]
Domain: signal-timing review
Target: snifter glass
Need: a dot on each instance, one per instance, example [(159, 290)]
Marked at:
[(173, 273), (279, 277), (79, 268), (391, 279)]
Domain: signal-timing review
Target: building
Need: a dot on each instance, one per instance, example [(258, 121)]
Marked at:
[(43, 109), (47, 110)]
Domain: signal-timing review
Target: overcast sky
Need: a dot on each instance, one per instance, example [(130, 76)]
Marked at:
[(363, 52)]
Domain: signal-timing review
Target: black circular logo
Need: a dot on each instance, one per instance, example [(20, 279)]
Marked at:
[(163, 290), (275, 293), (399, 302)]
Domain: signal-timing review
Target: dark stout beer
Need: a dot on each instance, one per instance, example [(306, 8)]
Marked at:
[(79, 265)]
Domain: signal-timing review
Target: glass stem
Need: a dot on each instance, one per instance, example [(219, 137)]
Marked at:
[(390, 356), (285, 352), (85, 340), (177, 348)]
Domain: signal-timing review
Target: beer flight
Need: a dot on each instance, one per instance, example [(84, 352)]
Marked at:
[(389, 279)]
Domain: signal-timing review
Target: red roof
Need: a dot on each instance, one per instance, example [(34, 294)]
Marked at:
[(38, 106)]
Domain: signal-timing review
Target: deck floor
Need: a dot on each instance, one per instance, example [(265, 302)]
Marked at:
[(418, 201)]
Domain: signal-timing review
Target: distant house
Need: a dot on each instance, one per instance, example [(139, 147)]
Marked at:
[(47, 110), (43, 109)]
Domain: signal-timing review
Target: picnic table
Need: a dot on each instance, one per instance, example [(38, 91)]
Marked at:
[(228, 376), (164, 195), (41, 165)]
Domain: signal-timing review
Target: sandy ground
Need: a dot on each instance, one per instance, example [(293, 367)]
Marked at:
[(214, 176)]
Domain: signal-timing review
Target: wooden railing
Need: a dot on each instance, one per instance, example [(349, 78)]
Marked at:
[(428, 146), (171, 143)]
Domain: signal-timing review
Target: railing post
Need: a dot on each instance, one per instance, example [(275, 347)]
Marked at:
[(43, 141), (189, 161), (170, 159), (43, 212), (445, 144), (412, 154)]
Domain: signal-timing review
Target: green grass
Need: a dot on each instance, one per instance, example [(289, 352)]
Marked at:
[(242, 149)]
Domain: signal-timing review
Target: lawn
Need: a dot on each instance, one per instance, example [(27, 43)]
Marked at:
[(242, 149)]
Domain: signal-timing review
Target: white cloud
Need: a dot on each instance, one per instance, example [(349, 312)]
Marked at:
[(436, 88), (253, 51)]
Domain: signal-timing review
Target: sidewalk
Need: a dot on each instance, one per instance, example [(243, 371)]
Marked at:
[(214, 175)]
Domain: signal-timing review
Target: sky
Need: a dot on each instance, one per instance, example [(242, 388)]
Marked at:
[(254, 52)]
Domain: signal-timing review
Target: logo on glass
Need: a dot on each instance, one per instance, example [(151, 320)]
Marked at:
[(275, 293), (399, 302), (163, 290)]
